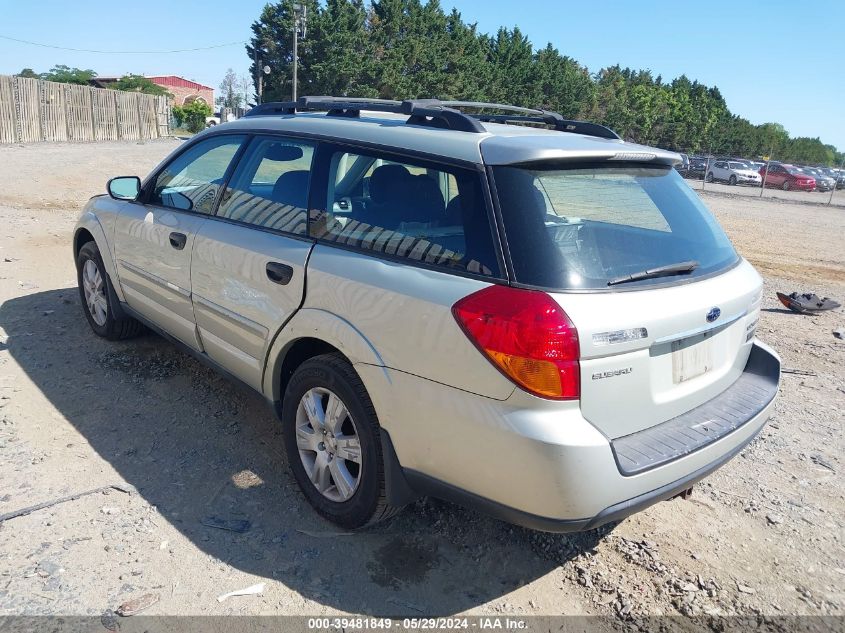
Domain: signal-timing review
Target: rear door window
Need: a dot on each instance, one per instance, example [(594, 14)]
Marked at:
[(402, 208), (270, 185)]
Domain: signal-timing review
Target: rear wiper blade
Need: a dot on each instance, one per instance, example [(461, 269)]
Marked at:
[(662, 271)]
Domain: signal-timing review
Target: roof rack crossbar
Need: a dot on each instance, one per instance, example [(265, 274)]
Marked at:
[(436, 113), (490, 106)]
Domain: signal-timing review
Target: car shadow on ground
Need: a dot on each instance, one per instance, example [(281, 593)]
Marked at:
[(200, 448)]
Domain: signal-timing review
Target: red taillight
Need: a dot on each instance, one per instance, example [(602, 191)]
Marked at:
[(527, 336)]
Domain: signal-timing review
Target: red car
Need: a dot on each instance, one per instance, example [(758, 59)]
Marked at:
[(787, 177)]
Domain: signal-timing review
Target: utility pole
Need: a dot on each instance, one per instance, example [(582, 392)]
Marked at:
[(836, 181), (295, 50), (258, 78), (766, 173), (299, 19)]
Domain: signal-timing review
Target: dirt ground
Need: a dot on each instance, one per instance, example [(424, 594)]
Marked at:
[(762, 536)]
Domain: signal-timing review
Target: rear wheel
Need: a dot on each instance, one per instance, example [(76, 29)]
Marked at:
[(333, 442), (96, 294), (732, 180), (709, 177)]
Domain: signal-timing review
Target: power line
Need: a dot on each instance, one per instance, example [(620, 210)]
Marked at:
[(88, 50)]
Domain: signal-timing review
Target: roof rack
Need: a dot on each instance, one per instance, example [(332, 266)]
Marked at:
[(534, 115), (420, 111), (433, 112)]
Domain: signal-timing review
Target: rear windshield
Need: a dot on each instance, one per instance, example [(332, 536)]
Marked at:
[(580, 228)]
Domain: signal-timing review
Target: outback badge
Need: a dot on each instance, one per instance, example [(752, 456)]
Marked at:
[(714, 314)]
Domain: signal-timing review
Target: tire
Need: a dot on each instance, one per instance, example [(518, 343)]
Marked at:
[(785, 186), (362, 500), (732, 181), (100, 311), (709, 177)]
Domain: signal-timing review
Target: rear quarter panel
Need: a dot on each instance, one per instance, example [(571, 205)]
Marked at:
[(404, 314)]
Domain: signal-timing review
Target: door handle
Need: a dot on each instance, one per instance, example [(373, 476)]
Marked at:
[(279, 273), (178, 240)]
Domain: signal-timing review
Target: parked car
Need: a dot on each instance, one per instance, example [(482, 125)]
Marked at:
[(787, 177), (540, 323), (683, 165), (733, 172), (824, 182), (217, 118), (697, 168)]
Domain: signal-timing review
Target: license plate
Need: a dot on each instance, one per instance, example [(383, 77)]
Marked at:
[(691, 357)]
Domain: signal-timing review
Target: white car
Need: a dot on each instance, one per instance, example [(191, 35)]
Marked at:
[(544, 324), (733, 172), (217, 118)]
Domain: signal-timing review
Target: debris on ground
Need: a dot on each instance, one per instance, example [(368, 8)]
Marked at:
[(232, 525), (253, 590), (797, 372), (807, 302), (109, 620), (48, 504), (327, 534), (136, 605)]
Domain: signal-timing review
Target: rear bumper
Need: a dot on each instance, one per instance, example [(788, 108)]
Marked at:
[(616, 512), (539, 463), (736, 406)]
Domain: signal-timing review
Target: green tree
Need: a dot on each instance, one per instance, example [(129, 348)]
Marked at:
[(178, 115), (192, 114), (27, 73), (559, 83), (466, 70), (272, 45), (230, 91), (138, 83), (67, 75), (403, 49), (511, 68), (341, 56)]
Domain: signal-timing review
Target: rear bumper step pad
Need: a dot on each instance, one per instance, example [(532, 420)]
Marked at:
[(699, 427)]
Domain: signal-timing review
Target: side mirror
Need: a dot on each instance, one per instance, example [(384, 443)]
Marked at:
[(124, 187)]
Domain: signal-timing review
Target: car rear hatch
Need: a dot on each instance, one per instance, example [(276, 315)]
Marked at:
[(664, 308), (648, 356)]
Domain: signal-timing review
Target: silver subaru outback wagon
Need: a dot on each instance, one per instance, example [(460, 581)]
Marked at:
[(487, 304)]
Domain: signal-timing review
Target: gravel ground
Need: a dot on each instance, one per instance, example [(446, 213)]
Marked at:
[(167, 445)]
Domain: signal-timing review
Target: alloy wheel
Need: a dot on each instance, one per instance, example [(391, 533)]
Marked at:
[(95, 292), (328, 444)]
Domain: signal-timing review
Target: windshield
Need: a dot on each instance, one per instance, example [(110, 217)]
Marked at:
[(739, 166), (580, 228)]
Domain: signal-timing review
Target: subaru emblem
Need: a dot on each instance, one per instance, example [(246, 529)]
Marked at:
[(714, 314)]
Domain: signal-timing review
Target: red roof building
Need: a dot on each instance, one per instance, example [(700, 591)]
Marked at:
[(184, 90)]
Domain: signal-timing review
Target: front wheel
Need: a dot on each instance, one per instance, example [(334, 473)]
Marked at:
[(732, 181), (96, 295), (709, 177), (333, 442), (786, 186)]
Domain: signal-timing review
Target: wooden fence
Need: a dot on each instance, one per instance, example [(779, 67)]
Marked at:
[(35, 110)]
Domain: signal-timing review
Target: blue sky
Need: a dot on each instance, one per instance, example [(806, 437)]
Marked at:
[(773, 61)]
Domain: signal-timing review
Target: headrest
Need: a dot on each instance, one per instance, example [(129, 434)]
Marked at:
[(389, 182)]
